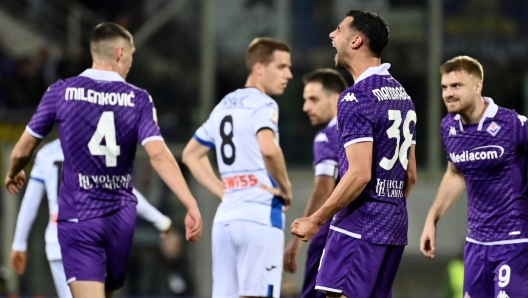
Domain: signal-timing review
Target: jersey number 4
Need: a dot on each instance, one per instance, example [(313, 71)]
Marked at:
[(105, 130), (400, 152)]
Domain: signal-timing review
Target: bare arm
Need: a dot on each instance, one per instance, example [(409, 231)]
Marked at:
[(358, 175), (195, 158), (412, 175), (19, 158), (274, 161), (166, 166), (323, 187), (449, 191)]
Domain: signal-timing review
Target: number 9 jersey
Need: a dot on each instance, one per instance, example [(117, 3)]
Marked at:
[(100, 118), (232, 131)]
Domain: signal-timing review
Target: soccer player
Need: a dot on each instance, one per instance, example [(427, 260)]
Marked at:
[(248, 236), (321, 91), (487, 148), (376, 127), (45, 179), (100, 119)]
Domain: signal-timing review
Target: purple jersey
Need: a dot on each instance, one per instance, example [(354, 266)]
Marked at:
[(377, 109), (101, 118), (492, 157), (325, 151)]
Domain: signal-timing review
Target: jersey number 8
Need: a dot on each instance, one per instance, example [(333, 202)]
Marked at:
[(394, 132), (227, 140)]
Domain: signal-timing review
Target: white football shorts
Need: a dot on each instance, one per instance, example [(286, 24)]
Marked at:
[(247, 260)]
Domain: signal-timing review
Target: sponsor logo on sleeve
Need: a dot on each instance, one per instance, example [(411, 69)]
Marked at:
[(493, 128), (452, 131), (522, 119), (274, 116), (349, 97), (321, 138)]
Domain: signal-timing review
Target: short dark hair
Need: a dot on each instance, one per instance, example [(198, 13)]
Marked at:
[(106, 32), (463, 63), (261, 50), (373, 26), (330, 79)]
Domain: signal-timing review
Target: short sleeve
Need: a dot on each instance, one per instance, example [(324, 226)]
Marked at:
[(356, 121), (266, 116), (204, 134), (148, 129), (38, 172), (325, 155), (42, 121), (443, 137)]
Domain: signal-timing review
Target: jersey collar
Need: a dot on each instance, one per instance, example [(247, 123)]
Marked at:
[(102, 75), (490, 112), (381, 70), (332, 122)]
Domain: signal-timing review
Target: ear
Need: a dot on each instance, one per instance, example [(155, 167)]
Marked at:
[(119, 52), (479, 86), (356, 41), (257, 68)]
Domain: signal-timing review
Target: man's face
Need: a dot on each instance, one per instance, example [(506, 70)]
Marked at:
[(340, 40), (125, 58), (460, 91), (277, 73), (319, 104)]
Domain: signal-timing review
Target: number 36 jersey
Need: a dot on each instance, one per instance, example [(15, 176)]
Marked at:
[(377, 109), (100, 118), (232, 131)]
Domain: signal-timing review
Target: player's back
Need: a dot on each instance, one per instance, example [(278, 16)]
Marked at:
[(377, 109), (232, 130), (100, 118)]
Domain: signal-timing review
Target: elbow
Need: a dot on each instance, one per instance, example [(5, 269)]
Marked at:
[(19, 154), (269, 151), (412, 177), (363, 177)]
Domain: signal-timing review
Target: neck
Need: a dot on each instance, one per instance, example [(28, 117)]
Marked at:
[(252, 82), (475, 113), (103, 65), (359, 65)]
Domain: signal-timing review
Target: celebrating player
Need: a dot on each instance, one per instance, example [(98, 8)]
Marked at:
[(376, 127), (100, 118), (487, 148), (248, 236), (321, 91), (45, 179)]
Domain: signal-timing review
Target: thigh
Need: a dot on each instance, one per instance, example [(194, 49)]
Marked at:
[(225, 279), (510, 272), (260, 252), (119, 230), (83, 251), (478, 277), (350, 266), (59, 278)]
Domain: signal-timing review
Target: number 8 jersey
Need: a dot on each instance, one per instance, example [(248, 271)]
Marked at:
[(377, 109), (232, 131), (100, 118)]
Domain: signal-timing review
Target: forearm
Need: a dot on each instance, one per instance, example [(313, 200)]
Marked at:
[(408, 186), (202, 170), (450, 189), (276, 167), (167, 168), (348, 189), (317, 199), (21, 154)]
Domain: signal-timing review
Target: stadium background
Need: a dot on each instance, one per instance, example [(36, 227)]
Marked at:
[(190, 53)]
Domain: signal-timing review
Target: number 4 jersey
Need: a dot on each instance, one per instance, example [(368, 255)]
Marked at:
[(232, 131), (377, 109), (100, 118)]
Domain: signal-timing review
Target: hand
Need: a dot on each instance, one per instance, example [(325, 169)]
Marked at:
[(14, 184), (18, 261), (193, 224), (305, 228), (291, 253), (428, 240), (285, 195), (166, 232)]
